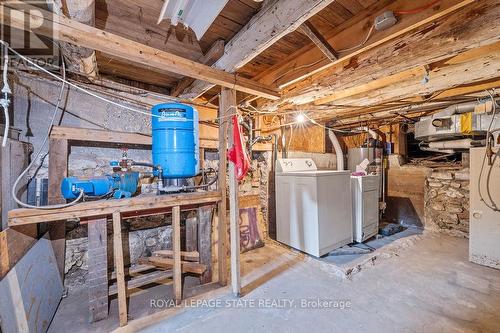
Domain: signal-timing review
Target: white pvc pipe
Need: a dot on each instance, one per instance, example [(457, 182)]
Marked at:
[(338, 150)]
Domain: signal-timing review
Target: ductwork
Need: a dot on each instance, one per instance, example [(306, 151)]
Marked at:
[(338, 150)]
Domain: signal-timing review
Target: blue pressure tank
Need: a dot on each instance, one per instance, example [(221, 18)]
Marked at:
[(175, 140)]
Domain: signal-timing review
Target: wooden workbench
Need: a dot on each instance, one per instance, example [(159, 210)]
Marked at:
[(96, 213)]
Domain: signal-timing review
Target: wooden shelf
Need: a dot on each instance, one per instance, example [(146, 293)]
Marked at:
[(141, 205)]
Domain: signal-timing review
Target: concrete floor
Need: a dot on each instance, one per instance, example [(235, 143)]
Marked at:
[(427, 286)]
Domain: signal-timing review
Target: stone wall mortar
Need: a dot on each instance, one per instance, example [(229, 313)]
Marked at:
[(446, 202)]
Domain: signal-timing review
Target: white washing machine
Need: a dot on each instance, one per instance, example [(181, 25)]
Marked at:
[(365, 191), (313, 207)]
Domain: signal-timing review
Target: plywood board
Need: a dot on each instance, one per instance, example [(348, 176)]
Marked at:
[(31, 291)]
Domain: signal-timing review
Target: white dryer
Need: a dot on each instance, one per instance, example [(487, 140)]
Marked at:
[(365, 192), (313, 207)]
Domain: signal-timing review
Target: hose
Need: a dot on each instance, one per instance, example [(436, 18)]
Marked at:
[(14, 187), (5, 101), (187, 188)]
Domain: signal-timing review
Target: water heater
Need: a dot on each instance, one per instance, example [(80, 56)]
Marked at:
[(175, 140)]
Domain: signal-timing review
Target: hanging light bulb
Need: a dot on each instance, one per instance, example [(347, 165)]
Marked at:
[(300, 118)]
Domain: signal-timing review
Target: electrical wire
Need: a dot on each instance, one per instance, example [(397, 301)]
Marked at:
[(368, 35), (37, 155), (76, 86), (491, 206), (5, 102)]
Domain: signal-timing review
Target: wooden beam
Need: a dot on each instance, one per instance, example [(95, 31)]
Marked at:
[(168, 263), (66, 30), (309, 60), (228, 98), (321, 43), (97, 280), (58, 169), (275, 20), (390, 80), (14, 244), (119, 268), (213, 54), (185, 255), (467, 28), (176, 247), (113, 137), (440, 77), (79, 59), (156, 203), (222, 243)]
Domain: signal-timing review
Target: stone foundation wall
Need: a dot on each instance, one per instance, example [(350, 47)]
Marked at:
[(447, 202)]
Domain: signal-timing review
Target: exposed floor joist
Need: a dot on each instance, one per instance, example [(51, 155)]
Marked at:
[(321, 43), (271, 23), (67, 30), (465, 29), (309, 60)]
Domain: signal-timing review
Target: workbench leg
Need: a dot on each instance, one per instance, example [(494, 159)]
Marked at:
[(58, 169), (176, 247), (119, 268), (98, 269), (205, 214)]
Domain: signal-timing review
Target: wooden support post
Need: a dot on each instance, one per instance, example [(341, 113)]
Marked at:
[(176, 247), (205, 241), (228, 100), (58, 169), (222, 206), (119, 268), (98, 269)]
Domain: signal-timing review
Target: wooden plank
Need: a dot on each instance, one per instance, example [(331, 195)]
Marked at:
[(168, 263), (107, 207), (246, 201), (321, 43), (116, 137), (176, 246), (67, 30), (31, 291), (134, 270), (142, 280), (293, 69), (120, 268), (474, 31), (79, 59), (58, 169), (229, 96), (185, 255), (191, 245), (213, 54), (205, 214), (274, 21), (14, 243), (440, 75), (97, 280), (222, 206), (417, 72)]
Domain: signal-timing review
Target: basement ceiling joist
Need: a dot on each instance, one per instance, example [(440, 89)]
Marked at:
[(67, 30), (466, 28), (309, 60), (275, 20)]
